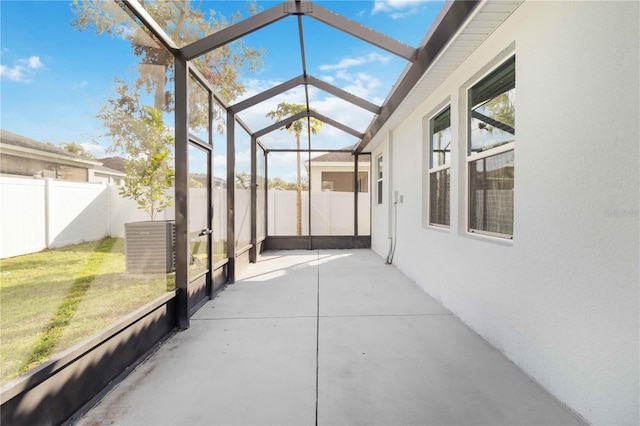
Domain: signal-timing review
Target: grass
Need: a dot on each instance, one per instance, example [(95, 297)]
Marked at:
[(219, 250), (53, 299)]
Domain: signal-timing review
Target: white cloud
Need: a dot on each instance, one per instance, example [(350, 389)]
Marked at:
[(361, 84), (94, 148), (344, 64), (22, 70), (220, 166), (256, 116), (353, 62), (364, 85), (283, 164), (243, 161), (80, 85), (255, 86), (397, 9), (15, 73), (345, 113), (358, 83), (34, 62)]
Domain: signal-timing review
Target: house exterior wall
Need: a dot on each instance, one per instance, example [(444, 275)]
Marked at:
[(562, 299), (318, 168), (341, 181), (381, 224), (21, 166)]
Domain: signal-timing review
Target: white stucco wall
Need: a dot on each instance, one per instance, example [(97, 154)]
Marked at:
[(380, 225), (562, 299)]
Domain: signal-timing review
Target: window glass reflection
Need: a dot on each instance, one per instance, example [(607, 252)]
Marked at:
[(491, 194)]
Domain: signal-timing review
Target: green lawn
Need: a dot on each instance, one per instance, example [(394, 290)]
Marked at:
[(53, 299)]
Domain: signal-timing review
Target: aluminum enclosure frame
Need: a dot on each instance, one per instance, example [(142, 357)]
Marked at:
[(53, 392)]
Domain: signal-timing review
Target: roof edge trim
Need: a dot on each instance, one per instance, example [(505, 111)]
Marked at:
[(447, 27)]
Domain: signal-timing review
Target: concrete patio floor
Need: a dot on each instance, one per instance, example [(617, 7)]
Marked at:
[(330, 337)]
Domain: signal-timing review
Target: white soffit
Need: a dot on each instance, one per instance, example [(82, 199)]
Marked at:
[(484, 21)]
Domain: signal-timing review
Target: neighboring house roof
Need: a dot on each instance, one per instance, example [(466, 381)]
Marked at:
[(333, 157), (113, 163), (26, 147), (336, 157), (109, 171)]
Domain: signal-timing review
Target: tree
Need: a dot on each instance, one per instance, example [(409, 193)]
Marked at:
[(284, 110), (184, 24), (149, 173), (279, 183), (243, 180), (75, 148), (501, 109), (133, 116)]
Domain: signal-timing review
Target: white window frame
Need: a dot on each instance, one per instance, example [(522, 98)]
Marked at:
[(379, 180), (435, 169), (472, 157)]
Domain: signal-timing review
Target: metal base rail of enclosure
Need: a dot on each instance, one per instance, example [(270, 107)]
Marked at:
[(317, 242), (55, 390)]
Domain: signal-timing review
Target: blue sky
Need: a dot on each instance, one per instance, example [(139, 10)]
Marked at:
[(54, 78)]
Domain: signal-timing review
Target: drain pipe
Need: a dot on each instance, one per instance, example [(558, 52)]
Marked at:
[(387, 260), (391, 211), (394, 239)]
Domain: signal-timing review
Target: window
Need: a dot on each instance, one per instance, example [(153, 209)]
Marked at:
[(379, 179), (490, 156), (439, 167), (343, 181)]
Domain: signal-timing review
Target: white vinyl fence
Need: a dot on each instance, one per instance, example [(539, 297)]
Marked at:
[(331, 213), (44, 213), (36, 214)]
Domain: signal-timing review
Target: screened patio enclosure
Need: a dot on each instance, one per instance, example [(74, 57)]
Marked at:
[(226, 208), (291, 125), (251, 214)]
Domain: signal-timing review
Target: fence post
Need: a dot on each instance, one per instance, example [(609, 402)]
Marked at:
[(47, 212), (108, 209), (275, 213)]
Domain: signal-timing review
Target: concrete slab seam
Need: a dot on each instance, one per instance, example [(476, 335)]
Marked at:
[(317, 331), (254, 318), (385, 315)]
